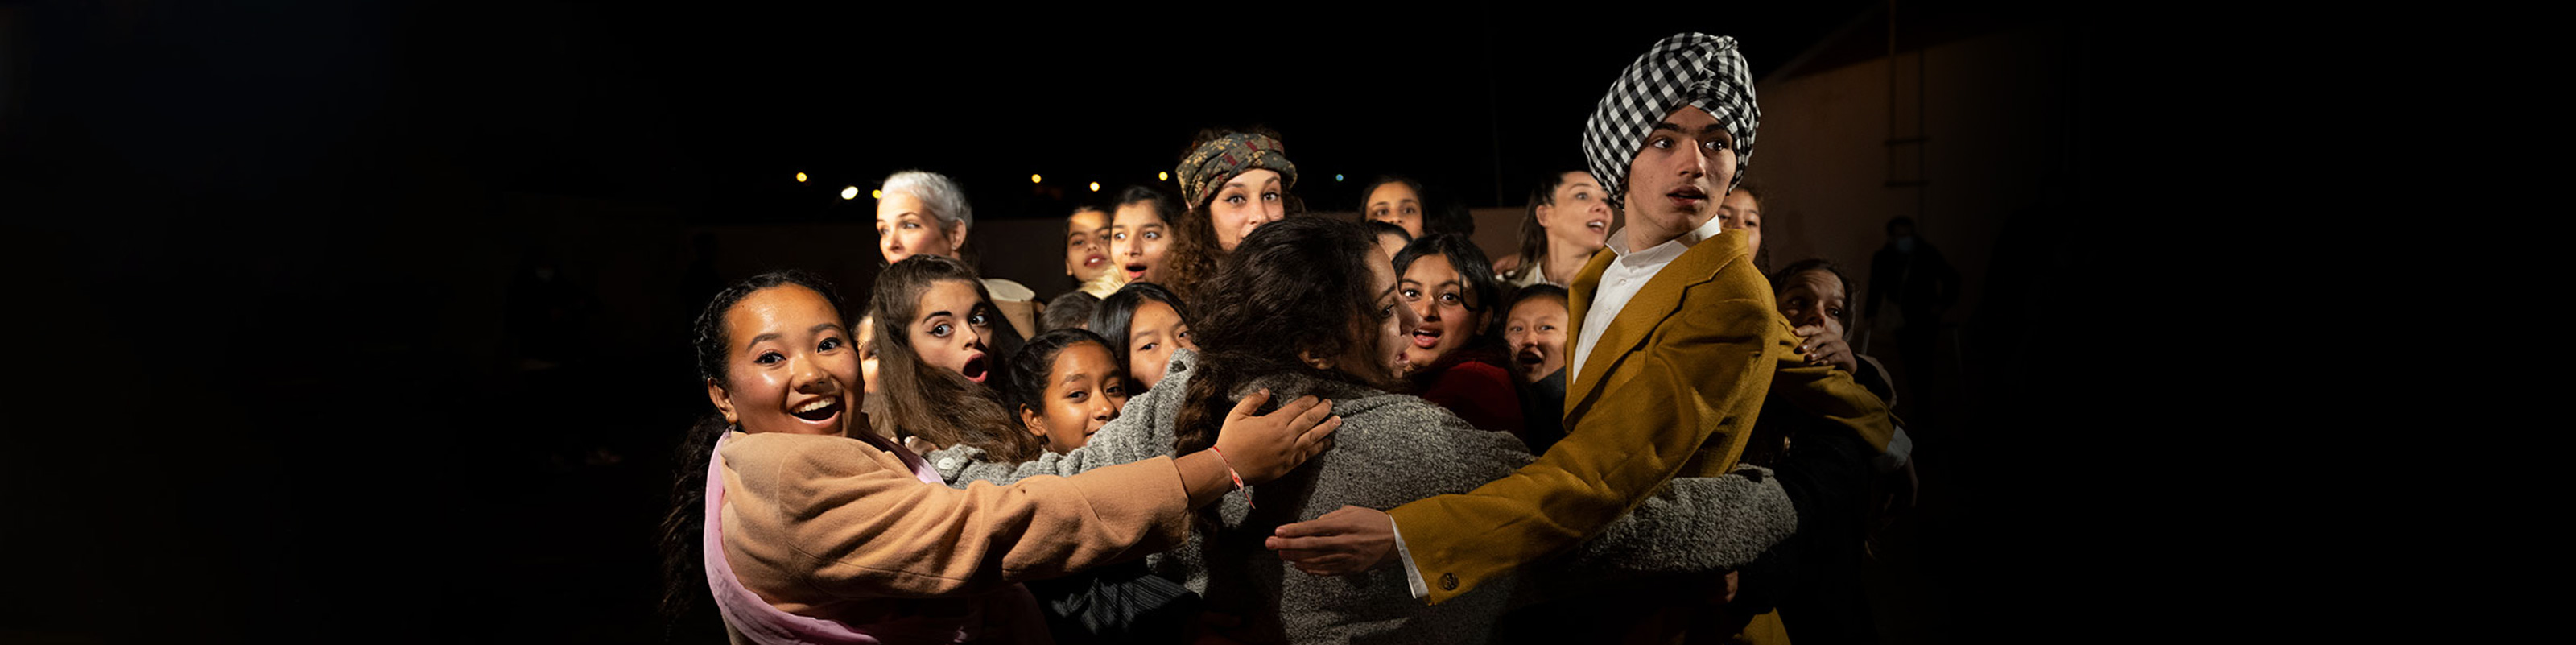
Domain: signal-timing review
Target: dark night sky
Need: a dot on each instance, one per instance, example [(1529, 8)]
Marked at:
[(234, 214)]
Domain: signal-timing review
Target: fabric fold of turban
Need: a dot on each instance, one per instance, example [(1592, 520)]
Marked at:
[(1698, 70), (1216, 161)]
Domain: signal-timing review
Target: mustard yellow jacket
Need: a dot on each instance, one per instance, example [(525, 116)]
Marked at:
[(1672, 389)]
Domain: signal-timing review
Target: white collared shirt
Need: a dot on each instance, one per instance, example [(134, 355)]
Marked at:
[(1621, 281)]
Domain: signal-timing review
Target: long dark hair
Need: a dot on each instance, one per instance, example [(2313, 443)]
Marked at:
[(932, 402), (1117, 314), (684, 578), (1294, 288), (1194, 253), (1533, 248)]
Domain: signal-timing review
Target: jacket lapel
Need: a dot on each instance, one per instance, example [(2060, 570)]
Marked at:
[(1660, 299)]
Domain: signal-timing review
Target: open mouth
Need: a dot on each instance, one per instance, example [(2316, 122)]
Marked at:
[(1529, 357), (1426, 337), (1135, 272), (822, 409), (975, 369), (1094, 261), (1598, 226), (1688, 196)]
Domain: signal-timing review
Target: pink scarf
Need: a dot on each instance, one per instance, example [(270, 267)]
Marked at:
[(1009, 615)]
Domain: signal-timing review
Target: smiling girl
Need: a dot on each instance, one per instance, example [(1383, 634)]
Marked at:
[(807, 532), (1066, 386)]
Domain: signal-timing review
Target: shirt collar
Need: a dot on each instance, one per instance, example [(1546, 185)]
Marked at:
[(1665, 252)]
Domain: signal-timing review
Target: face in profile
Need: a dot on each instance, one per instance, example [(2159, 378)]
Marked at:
[(1084, 391), (789, 365), (1152, 334), (868, 352), (1395, 203), (1580, 216), (1449, 316), (905, 227), (1535, 332), (1741, 212), (1814, 298), (1138, 235), (1673, 184), (1086, 245), (1246, 202), (951, 330), (1378, 357)]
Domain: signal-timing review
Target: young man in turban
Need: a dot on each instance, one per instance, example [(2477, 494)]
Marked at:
[(1677, 350)]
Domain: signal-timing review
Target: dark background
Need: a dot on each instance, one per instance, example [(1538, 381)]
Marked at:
[(366, 321)]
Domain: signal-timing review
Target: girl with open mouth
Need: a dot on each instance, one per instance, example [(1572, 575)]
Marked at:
[(1453, 357)]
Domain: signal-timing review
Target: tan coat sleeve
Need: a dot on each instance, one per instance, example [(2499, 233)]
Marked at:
[(813, 520), (1698, 388)]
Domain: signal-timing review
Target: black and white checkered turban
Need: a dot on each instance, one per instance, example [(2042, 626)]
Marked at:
[(1692, 69)]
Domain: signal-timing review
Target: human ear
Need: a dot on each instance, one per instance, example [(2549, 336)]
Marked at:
[(724, 404), (1310, 359), (1546, 215), (956, 236), (1030, 420)]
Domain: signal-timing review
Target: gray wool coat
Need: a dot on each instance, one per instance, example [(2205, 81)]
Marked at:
[(1393, 449)]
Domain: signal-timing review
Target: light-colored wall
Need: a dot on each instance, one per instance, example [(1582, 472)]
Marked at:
[(1995, 119)]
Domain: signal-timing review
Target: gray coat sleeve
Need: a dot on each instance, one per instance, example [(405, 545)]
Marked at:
[(1142, 431), (1694, 524)]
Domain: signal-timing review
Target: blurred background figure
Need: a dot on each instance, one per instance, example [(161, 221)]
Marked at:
[(1568, 220), (1534, 332), (1086, 252), (1742, 210), (925, 213), (1394, 199), (1909, 272)]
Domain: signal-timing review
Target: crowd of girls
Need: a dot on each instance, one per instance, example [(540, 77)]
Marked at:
[(956, 462)]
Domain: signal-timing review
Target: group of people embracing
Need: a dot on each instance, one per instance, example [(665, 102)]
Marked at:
[(1249, 425)]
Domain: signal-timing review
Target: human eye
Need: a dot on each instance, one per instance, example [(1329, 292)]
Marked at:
[(940, 330), (1450, 298), (766, 358), (1153, 235), (1836, 312), (1115, 389), (908, 225), (1411, 294), (1149, 347), (1660, 143), (1077, 395), (1119, 236), (978, 319), (1270, 196), (829, 344)]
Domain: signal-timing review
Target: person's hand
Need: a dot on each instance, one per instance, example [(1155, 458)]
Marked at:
[(1345, 541), (1261, 448), (1823, 345)]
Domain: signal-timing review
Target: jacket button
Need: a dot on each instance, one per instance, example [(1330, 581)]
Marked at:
[(1448, 582)]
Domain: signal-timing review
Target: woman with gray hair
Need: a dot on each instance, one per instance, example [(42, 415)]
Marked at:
[(925, 213)]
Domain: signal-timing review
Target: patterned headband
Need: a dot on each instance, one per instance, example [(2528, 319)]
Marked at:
[(1698, 70), (1216, 161)]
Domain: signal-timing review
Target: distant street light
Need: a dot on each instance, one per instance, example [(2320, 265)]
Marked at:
[(849, 192), (1095, 186), (800, 178)]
